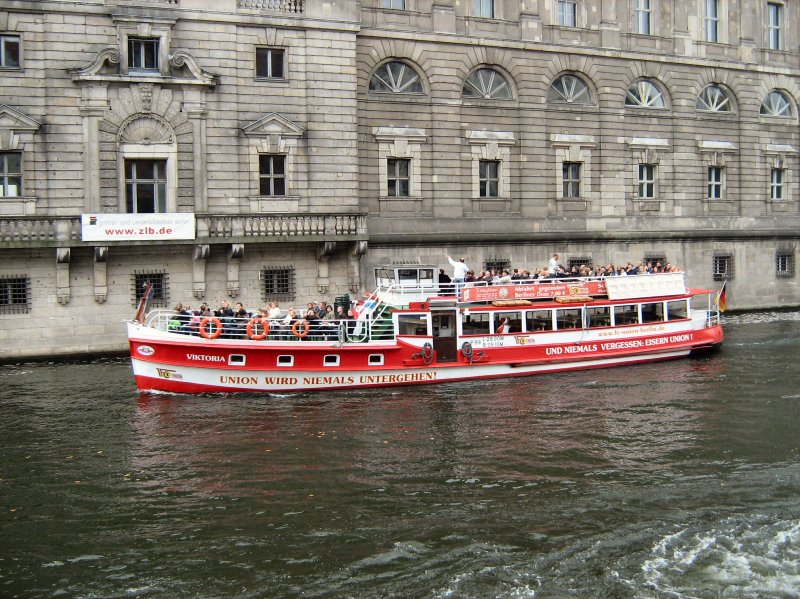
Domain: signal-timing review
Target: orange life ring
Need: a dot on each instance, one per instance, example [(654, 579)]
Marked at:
[(253, 322), (296, 328), (216, 322)]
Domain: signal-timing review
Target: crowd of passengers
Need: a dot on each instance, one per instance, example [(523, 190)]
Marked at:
[(557, 271), (319, 321)]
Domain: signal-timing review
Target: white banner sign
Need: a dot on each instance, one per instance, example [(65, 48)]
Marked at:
[(137, 227)]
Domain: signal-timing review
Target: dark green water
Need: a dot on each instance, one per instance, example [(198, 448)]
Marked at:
[(677, 479)]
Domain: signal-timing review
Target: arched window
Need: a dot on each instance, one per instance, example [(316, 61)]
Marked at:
[(396, 78), (570, 89), (487, 84), (714, 99), (776, 104), (645, 94)]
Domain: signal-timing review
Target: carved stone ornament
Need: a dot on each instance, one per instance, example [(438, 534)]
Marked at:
[(182, 58), (146, 130), (109, 54)]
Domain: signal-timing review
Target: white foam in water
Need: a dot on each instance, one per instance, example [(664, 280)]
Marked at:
[(757, 558)]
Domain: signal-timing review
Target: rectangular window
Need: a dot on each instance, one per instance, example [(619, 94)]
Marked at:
[(398, 177), (9, 51), (642, 16), (784, 264), (567, 13), (146, 186), (10, 174), (647, 181), (715, 182), (774, 23), (15, 294), (270, 63), (498, 264), (571, 178), (723, 267), (143, 53), (776, 184), (395, 4), (484, 9), (711, 20), (489, 178), (160, 294), (278, 283), (272, 175)]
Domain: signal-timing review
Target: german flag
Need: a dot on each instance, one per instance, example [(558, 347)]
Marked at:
[(721, 296)]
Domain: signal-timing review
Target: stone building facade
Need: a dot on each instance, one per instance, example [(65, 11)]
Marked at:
[(278, 150)]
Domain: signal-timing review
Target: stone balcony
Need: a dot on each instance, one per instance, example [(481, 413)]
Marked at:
[(36, 232)]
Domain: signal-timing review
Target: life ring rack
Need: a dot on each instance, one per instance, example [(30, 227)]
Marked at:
[(297, 326), (216, 322), (255, 321)]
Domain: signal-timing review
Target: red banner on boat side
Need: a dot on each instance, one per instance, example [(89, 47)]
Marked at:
[(491, 293)]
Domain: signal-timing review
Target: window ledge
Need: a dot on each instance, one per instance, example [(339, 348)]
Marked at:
[(17, 205)]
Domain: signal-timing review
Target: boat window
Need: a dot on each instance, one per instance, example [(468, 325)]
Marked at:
[(236, 360), (331, 360), (412, 324), (376, 359), (599, 316), (508, 322), (626, 314), (653, 312), (568, 318), (677, 310), (285, 360), (426, 277), (539, 320), (407, 276), (476, 323)]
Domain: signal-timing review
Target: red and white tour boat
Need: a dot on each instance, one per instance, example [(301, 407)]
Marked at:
[(410, 331)]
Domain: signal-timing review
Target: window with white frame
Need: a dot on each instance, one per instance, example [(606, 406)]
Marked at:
[(10, 174), (567, 13), (143, 53), (486, 84), (272, 174), (642, 17), (10, 51), (398, 177), (722, 265), (394, 4), (645, 94), (396, 77), (484, 9), (489, 178), (270, 63), (647, 181), (714, 99), (784, 263), (774, 25), (777, 183), (146, 186), (711, 20), (716, 182), (776, 103), (570, 89), (571, 179)]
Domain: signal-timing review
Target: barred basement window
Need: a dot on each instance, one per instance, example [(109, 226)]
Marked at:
[(499, 264), (654, 258), (159, 298), (15, 294), (784, 264), (723, 267), (578, 261), (278, 283)]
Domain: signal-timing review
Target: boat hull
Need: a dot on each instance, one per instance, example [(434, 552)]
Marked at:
[(165, 362)]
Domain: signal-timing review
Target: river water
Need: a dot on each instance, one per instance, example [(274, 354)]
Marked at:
[(670, 480)]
